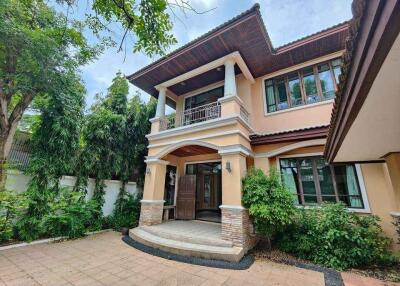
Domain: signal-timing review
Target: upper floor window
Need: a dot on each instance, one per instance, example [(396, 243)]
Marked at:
[(305, 86), (313, 181), (204, 98)]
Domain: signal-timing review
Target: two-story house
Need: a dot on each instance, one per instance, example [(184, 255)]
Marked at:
[(241, 103)]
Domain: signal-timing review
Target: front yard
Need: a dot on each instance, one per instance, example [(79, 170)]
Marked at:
[(104, 259)]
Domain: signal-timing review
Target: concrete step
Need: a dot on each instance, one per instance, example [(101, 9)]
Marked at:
[(186, 237), (233, 254)]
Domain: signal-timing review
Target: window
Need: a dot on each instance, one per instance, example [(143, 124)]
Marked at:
[(310, 85), (276, 94), (312, 181), (306, 86), (295, 89), (204, 98), (326, 79)]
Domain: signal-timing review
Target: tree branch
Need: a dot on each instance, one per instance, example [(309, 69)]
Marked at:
[(19, 109), (3, 113)]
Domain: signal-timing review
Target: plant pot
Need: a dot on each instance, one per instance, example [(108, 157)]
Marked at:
[(125, 230)]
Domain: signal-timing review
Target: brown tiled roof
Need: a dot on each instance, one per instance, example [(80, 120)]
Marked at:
[(313, 132), (311, 36), (254, 8), (245, 33), (373, 29), (358, 7)]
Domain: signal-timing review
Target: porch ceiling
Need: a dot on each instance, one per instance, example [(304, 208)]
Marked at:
[(192, 150), (246, 34)]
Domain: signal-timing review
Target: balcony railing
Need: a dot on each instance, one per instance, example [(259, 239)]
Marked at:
[(192, 115)]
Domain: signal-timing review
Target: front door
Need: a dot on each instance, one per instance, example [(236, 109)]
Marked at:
[(207, 192), (186, 199)]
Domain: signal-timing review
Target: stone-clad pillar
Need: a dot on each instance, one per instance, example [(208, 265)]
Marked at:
[(235, 221), (153, 193)]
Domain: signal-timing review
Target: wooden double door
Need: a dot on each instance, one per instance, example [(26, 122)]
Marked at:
[(208, 192), (197, 193)]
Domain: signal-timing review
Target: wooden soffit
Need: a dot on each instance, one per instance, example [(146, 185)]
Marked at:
[(245, 34)]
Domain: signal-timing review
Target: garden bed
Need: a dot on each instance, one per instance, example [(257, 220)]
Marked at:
[(383, 273)]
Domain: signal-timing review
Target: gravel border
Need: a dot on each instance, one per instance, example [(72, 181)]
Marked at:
[(331, 276), (243, 264)]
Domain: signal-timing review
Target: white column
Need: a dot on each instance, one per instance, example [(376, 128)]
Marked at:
[(160, 111), (230, 80)]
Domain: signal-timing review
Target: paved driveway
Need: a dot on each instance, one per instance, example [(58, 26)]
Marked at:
[(103, 259)]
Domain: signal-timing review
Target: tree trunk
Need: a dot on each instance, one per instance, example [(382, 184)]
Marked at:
[(6, 139)]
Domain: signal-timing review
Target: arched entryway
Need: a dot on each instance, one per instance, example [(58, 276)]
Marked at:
[(193, 183)]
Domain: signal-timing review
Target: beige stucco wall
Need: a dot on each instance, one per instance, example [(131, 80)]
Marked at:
[(380, 195), (295, 118)]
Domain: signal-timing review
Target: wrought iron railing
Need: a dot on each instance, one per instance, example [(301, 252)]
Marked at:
[(192, 115)]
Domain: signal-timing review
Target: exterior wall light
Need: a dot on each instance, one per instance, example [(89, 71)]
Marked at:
[(228, 167), (148, 171)]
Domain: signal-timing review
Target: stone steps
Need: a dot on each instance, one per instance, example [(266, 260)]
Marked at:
[(185, 248), (183, 237)]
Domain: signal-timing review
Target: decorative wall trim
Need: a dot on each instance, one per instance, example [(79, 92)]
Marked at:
[(235, 149), (154, 119), (230, 98), (172, 147), (287, 148), (206, 125), (152, 160), (212, 135), (152, 201), (232, 207)]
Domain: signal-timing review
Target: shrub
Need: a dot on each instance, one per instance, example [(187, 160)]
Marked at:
[(11, 206), (126, 212), (70, 215), (65, 213), (396, 223), (334, 237), (270, 204)]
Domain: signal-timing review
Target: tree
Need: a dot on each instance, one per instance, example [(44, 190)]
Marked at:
[(104, 135), (39, 50), (138, 126), (55, 142), (148, 21)]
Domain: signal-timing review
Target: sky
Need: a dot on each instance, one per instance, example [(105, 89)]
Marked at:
[(285, 20)]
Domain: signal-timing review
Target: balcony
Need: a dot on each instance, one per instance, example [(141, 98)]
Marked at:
[(190, 116), (225, 106)]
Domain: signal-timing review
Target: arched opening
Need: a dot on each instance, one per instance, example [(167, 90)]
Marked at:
[(193, 183)]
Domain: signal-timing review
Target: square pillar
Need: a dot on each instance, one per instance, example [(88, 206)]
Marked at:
[(393, 164), (235, 222), (153, 193)]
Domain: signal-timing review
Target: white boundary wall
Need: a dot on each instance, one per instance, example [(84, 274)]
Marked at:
[(17, 181)]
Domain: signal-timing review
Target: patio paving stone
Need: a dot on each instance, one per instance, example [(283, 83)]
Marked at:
[(104, 259)]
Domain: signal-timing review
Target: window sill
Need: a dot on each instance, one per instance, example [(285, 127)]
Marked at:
[(299, 107), (364, 210)]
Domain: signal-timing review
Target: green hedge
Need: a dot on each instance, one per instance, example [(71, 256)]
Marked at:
[(334, 237)]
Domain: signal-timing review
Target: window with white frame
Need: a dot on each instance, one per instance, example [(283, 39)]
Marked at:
[(313, 181), (308, 85)]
